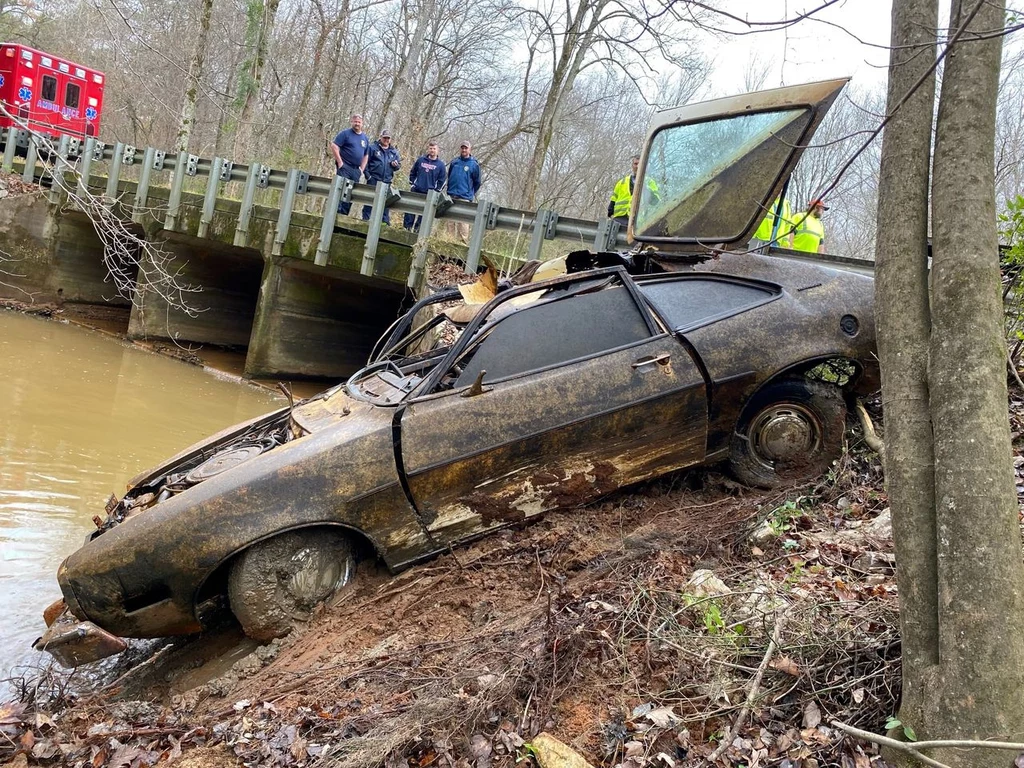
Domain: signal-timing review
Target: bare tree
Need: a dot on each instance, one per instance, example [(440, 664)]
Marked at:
[(194, 77), (948, 460)]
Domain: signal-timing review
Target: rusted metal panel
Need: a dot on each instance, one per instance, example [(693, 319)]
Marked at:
[(553, 439)]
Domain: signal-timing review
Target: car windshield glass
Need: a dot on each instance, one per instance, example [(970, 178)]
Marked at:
[(704, 180)]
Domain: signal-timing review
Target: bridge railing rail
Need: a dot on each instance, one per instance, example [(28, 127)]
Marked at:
[(146, 162)]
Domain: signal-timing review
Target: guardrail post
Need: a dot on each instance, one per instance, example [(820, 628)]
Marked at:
[(486, 212), (607, 232), (142, 191), (285, 216), (57, 169), (85, 171), (323, 247), (114, 175), (210, 199), (543, 229), (28, 174), (419, 250), (245, 211), (373, 233), (9, 147), (184, 165)]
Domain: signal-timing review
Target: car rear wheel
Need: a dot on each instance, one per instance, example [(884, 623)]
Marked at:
[(280, 580), (791, 430)]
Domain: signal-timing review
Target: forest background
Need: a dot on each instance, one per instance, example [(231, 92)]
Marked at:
[(554, 96)]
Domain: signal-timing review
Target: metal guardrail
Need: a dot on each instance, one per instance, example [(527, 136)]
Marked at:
[(483, 215)]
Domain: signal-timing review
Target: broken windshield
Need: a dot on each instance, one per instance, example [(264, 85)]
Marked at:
[(704, 180)]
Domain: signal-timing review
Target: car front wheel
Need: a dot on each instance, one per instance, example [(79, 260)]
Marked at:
[(791, 430), (280, 580)]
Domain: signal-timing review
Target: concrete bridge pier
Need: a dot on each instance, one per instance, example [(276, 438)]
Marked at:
[(317, 321)]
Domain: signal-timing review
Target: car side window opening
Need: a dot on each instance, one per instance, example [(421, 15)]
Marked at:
[(553, 332), (687, 303), (49, 89), (71, 95)]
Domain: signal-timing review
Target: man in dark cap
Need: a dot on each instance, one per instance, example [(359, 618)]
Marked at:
[(383, 161), (464, 182)]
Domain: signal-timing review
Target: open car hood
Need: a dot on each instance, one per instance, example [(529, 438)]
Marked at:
[(710, 171)]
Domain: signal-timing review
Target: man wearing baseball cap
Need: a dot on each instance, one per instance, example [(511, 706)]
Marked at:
[(383, 161), (464, 182), (809, 232), (350, 149)]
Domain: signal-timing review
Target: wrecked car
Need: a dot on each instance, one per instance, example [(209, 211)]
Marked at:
[(551, 394)]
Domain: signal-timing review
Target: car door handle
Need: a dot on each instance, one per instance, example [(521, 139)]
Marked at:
[(661, 359)]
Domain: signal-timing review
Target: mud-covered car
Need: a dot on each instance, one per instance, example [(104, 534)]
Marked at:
[(553, 393)]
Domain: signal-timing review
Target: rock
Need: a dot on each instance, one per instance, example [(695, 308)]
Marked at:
[(552, 753), (763, 534), (704, 583)]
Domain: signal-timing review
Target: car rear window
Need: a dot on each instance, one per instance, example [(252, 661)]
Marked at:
[(554, 332), (688, 302)]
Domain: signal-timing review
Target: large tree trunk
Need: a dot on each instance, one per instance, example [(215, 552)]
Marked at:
[(902, 311), (187, 118), (980, 575), (576, 44), (260, 15), (401, 95)]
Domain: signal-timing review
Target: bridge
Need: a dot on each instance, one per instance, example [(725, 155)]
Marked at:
[(303, 291)]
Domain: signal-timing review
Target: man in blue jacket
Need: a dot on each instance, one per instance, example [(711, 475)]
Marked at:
[(383, 161), (428, 172), (464, 182), (350, 148)]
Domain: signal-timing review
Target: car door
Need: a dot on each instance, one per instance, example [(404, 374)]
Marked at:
[(582, 393)]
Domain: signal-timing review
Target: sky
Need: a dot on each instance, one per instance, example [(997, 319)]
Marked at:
[(806, 51)]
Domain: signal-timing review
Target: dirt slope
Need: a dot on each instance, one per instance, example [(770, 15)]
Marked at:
[(631, 630)]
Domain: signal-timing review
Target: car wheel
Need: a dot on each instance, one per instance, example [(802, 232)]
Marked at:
[(791, 430), (280, 580)]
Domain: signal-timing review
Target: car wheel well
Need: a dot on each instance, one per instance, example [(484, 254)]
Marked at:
[(216, 584), (842, 372)]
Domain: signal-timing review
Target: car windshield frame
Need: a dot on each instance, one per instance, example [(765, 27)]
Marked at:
[(695, 212)]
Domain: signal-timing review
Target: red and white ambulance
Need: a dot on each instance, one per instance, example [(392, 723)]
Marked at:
[(53, 95)]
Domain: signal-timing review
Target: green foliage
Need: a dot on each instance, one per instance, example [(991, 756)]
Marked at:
[(782, 519), (893, 723), (1011, 236)]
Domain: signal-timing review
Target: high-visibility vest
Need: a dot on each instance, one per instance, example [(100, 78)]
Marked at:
[(764, 230), (809, 233), (622, 197)]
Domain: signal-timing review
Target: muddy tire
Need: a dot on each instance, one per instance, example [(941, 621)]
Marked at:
[(791, 430), (281, 580)]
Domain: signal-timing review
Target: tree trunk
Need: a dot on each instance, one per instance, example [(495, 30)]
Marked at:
[(401, 94), (576, 44), (260, 17), (980, 574), (195, 73), (902, 312)]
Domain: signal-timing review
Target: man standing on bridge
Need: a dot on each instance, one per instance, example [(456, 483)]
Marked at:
[(464, 182), (383, 161), (351, 150), (427, 173)]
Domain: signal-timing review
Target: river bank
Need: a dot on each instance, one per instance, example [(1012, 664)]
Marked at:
[(631, 630)]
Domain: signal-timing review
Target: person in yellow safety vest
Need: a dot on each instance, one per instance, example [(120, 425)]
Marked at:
[(809, 232), (783, 235), (622, 195)]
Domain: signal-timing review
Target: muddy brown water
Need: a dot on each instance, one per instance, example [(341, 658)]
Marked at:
[(80, 414)]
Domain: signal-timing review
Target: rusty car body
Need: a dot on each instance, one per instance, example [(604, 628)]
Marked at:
[(554, 393)]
